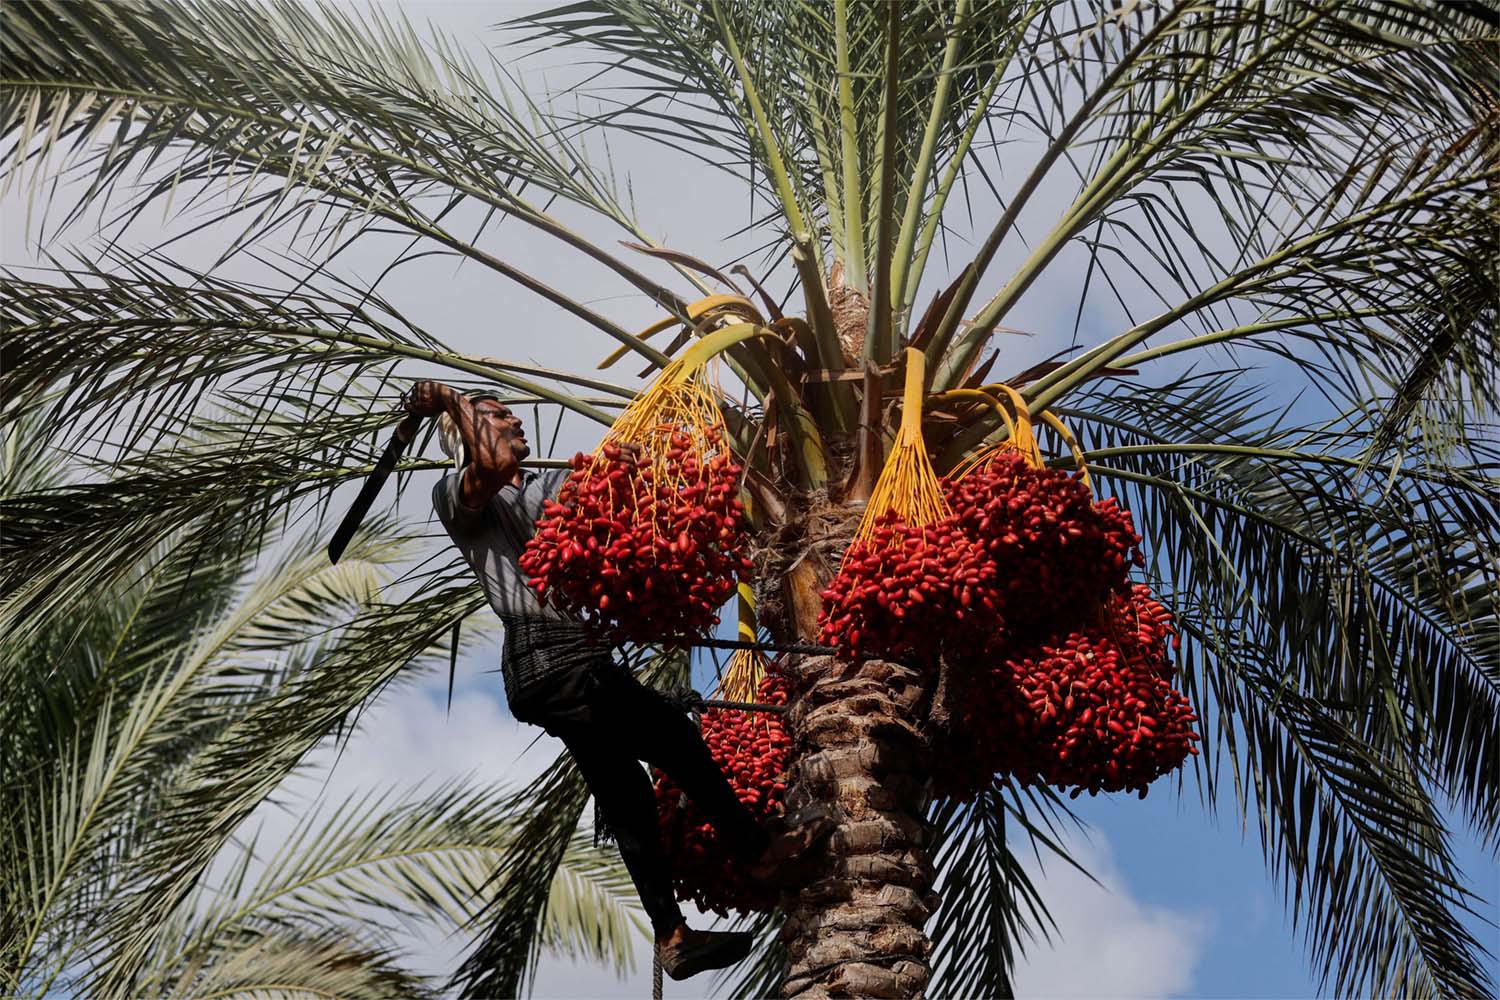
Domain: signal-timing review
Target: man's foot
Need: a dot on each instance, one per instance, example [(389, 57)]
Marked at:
[(686, 952), (792, 856)]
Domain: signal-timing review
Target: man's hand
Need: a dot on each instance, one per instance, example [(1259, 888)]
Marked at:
[(428, 398), (492, 436)]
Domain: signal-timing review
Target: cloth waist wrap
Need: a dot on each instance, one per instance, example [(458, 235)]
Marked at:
[(548, 666)]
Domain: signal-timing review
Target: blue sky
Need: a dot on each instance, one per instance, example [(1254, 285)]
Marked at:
[(1189, 909)]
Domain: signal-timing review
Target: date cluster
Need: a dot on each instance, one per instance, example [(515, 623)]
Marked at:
[(752, 748), (1093, 709), (1059, 669), (647, 548)]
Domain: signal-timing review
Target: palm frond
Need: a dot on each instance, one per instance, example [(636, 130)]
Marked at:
[(365, 120), (284, 964), (593, 912), (760, 974), (226, 484), (248, 758), (390, 864), (164, 664), (1250, 158), (503, 960), (820, 131), (1343, 674), (159, 337), (990, 907)]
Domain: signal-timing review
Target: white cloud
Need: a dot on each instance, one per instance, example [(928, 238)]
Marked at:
[(1107, 943)]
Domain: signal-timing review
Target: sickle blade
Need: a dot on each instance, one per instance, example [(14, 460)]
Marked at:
[(406, 431)]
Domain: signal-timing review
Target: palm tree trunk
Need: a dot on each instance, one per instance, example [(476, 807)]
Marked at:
[(857, 929)]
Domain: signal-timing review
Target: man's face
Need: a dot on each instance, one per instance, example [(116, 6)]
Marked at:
[(495, 418)]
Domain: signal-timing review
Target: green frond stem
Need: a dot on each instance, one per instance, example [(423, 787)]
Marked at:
[(1271, 454), (815, 293), (570, 305), (511, 204), (805, 250), (880, 338), (1047, 389), (853, 190), (833, 401), (924, 242), (916, 191), (483, 367), (1107, 183), (833, 204), (410, 220), (419, 465), (1081, 117), (775, 162), (1247, 331), (608, 207)]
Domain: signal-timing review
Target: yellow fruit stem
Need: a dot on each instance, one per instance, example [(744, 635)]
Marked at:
[(908, 484), (747, 667), (1050, 419), (1022, 435), (736, 305)]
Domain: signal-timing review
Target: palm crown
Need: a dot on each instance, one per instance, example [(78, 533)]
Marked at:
[(1309, 187)]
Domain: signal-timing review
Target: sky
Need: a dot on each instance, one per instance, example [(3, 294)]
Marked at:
[(1183, 905)]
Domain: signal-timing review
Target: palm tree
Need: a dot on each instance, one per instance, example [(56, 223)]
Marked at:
[(112, 715), (1307, 193)]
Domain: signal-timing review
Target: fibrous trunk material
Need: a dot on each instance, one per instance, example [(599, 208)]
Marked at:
[(855, 930)]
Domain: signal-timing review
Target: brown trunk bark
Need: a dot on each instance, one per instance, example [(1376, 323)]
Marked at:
[(857, 930)]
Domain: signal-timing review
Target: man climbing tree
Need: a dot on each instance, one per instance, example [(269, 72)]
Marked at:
[(561, 676)]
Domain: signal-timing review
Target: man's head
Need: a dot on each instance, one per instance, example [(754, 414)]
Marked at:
[(495, 424)]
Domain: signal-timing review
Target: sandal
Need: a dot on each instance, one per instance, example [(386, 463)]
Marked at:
[(792, 856), (700, 951)]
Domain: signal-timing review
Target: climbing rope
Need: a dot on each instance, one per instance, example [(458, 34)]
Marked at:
[(690, 700), (807, 648)]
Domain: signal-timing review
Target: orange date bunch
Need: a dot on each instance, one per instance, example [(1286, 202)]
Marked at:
[(1093, 709), (893, 586), (910, 563), (647, 535), (1076, 689), (752, 748)]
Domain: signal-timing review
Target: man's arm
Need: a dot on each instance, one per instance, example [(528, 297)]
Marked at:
[(491, 463)]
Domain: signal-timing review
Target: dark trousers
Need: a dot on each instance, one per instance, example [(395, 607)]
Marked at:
[(627, 722)]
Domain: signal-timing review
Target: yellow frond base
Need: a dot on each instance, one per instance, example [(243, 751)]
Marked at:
[(908, 484), (1022, 435)]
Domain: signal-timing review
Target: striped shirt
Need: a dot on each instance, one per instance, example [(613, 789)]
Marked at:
[(546, 652)]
